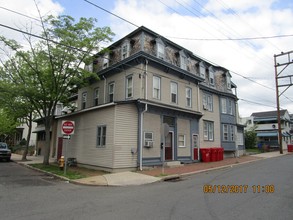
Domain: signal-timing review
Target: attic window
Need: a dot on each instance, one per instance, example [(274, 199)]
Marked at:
[(106, 61), (183, 60), (211, 76), (125, 50), (202, 70), (228, 80)]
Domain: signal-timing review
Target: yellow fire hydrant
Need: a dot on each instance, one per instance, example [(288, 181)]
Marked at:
[(61, 162)]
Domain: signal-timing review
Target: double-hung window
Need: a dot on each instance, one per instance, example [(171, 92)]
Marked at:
[(230, 108), (96, 97), (111, 92), (208, 130), (224, 105), (228, 78), (174, 92), (160, 50), (83, 100), (125, 50), (181, 140), (207, 102), (211, 76), (188, 97), (225, 133), (156, 87), (129, 87), (202, 70), (101, 136)]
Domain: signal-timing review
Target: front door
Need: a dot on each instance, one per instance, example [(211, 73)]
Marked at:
[(169, 146)]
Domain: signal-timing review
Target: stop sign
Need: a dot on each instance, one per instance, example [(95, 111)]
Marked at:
[(67, 127)]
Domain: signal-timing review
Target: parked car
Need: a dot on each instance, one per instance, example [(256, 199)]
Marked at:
[(5, 152)]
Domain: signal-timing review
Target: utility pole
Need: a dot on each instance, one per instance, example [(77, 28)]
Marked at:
[(282, 61)]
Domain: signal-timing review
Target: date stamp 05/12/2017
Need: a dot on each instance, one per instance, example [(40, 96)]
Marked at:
[(207, 188)]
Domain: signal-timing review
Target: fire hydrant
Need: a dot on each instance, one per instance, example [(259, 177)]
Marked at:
[(61, 162)]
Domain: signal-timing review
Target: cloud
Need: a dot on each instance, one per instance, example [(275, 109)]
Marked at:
[(9, 15), (232, 19)]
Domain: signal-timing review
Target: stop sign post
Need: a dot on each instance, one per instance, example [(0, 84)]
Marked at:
[(67, 129)]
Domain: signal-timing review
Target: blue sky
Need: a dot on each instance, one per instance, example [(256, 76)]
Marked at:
[(191, 24)]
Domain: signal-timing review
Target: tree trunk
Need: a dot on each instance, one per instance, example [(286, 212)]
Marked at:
[(30, 124), (48, 122)]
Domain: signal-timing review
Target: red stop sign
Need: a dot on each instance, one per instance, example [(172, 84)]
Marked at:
[(67, 127)]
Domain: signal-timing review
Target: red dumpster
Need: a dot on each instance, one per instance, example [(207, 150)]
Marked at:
[(205, 154), (290, 148), (214, 154)]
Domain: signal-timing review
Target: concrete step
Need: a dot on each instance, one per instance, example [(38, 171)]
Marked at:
[(173, 164)]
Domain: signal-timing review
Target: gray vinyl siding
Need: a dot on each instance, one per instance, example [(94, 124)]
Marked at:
[(126, 132)]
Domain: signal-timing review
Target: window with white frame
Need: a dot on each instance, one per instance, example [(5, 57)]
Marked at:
[(228, 132), (232, 133), (148, 139), (230, 107), (125, 50), (106, 60), (211, 76), (156, 87), (111, 92), (183, 62), (202, 70), (129, 87), (223, 105), (208, 130), (174, 92), (225, 133), (207, 102), (101, 136), (188, 97), (83, 100), (228, 78), (160, 50), (181, 140), (96, 96)]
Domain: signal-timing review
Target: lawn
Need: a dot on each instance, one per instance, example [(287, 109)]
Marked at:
[(71, 172)]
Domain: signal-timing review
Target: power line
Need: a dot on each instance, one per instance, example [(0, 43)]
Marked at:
[(232, 39), (34, 35)]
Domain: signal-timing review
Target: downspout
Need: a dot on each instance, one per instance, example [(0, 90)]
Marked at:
[(141, 115)]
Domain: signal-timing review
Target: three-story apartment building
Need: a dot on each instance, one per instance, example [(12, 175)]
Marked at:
[(155, 102)]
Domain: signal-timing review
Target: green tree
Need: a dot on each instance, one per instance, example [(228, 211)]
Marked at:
[(250, 138), (45, 73), (8, 124)]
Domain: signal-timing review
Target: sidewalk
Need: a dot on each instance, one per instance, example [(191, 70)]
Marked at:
[(155, 174)]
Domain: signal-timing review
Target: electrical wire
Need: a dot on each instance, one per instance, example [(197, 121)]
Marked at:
[(247, 78)]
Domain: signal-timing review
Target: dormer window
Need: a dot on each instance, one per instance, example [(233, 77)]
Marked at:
[(160, 48), (211, 76), (125, 50), (202, 70), (183, 60), (228, 80), (106, 61)]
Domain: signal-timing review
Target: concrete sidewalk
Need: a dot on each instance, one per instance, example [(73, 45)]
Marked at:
[(154, 174)]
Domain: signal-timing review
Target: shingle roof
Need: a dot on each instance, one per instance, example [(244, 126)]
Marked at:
[(268, 114)]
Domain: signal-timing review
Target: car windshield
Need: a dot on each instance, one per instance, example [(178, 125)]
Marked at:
[(3, 146)]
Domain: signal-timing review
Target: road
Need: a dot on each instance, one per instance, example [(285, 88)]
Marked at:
[(27, 194)]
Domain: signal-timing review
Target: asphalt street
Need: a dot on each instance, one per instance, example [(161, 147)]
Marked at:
[(258, 190)]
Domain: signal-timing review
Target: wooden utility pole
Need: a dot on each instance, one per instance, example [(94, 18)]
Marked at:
[(282, 61)]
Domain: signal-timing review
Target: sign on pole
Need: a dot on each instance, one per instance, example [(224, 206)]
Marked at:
[(67, 127)]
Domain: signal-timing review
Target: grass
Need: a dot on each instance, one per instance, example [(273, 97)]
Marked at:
[(253, 150), (54, 168)]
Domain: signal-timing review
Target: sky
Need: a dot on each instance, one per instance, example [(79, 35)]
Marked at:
[(242, 36)]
